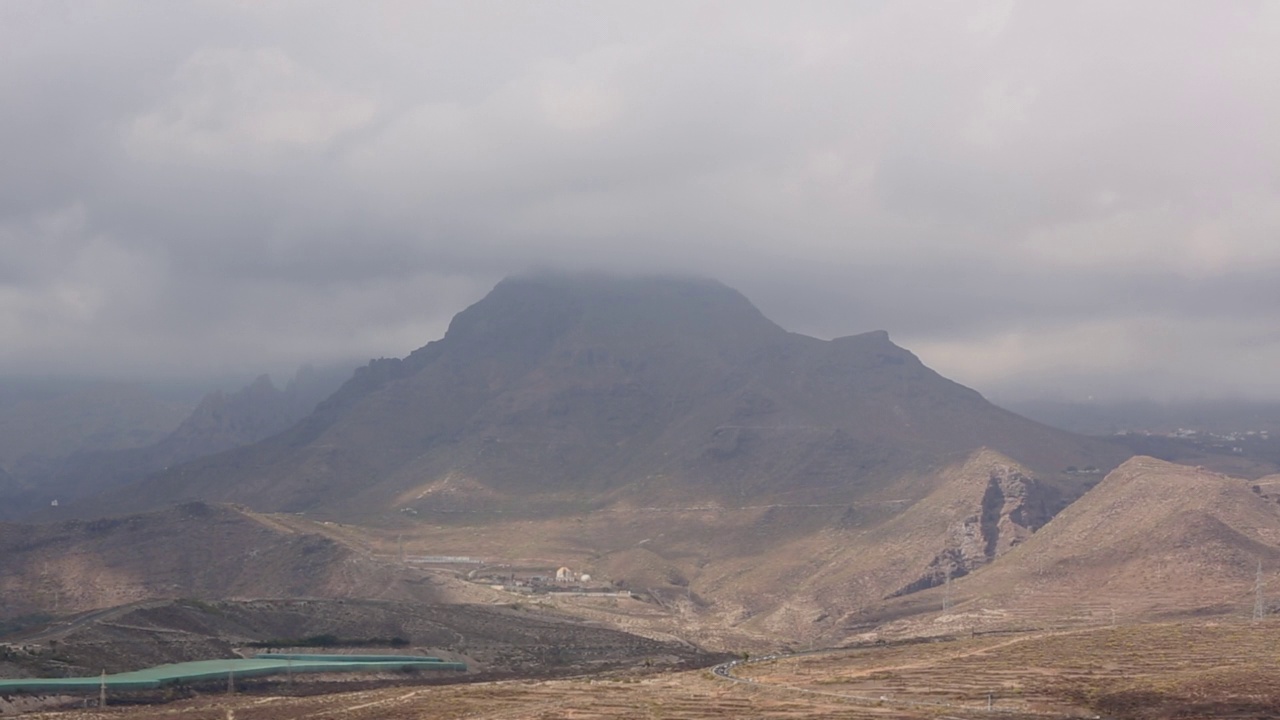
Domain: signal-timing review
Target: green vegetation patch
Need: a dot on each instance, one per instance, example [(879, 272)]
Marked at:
[(330, 641)]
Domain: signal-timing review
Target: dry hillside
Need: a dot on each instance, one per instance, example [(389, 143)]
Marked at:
[(193, 550), (1153, 538), (732, 577), (659, 434), (493, 640)]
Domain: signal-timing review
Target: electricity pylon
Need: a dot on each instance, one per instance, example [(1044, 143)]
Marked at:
[(1259, 605)]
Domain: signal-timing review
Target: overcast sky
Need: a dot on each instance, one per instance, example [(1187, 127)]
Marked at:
[(1057, 199)]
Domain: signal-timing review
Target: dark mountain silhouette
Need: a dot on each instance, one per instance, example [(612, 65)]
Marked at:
[(257, 411), (220, 422), (559, 393), (45, 419)]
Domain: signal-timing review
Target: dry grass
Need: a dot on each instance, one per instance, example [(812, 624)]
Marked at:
[(690, 695), (1144, 671), (1153, 670)]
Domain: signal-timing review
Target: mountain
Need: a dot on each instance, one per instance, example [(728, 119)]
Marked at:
[(810, 573), (42, 420), (557, 394), (494, 641), (195, 550), (661, 434), (220, 422), (257, 411), (1152, 538)]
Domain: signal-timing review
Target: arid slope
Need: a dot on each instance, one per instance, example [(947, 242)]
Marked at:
[(193, 550), (1152, 538)]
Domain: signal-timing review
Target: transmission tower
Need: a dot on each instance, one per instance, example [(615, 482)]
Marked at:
[(946, 592), (1259, 605)]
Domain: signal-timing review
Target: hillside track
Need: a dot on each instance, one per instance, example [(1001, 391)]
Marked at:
[(61, 628)]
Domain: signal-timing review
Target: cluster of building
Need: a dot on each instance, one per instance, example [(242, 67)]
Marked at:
[(1239, 436), (563, 581), (563, 577)]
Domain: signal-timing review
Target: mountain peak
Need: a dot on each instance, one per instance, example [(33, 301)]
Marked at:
[(598, 387), (603, 297), (526, 313)]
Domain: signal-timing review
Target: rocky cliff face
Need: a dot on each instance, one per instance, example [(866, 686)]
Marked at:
[(1014, 506), (1003, 512), (1151, 536)]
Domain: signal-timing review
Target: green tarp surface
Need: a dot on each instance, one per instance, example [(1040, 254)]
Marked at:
[(208, 670)]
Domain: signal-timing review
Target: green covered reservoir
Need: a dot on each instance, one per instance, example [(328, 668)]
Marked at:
[(210, 670)]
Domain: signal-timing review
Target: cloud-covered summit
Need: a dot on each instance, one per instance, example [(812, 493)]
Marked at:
[(1067, 198)]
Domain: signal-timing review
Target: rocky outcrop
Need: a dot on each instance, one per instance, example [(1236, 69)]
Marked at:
[(1152, 536), (1013, 505)]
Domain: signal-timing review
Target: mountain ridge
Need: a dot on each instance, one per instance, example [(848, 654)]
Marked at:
[(194, 549), (1152, 539), (221, 421), (584, 385)]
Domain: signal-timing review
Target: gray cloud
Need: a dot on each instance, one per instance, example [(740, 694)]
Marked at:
[(1071, 198)]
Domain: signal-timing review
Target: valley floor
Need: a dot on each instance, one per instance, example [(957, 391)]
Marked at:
[(1227, 669)]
